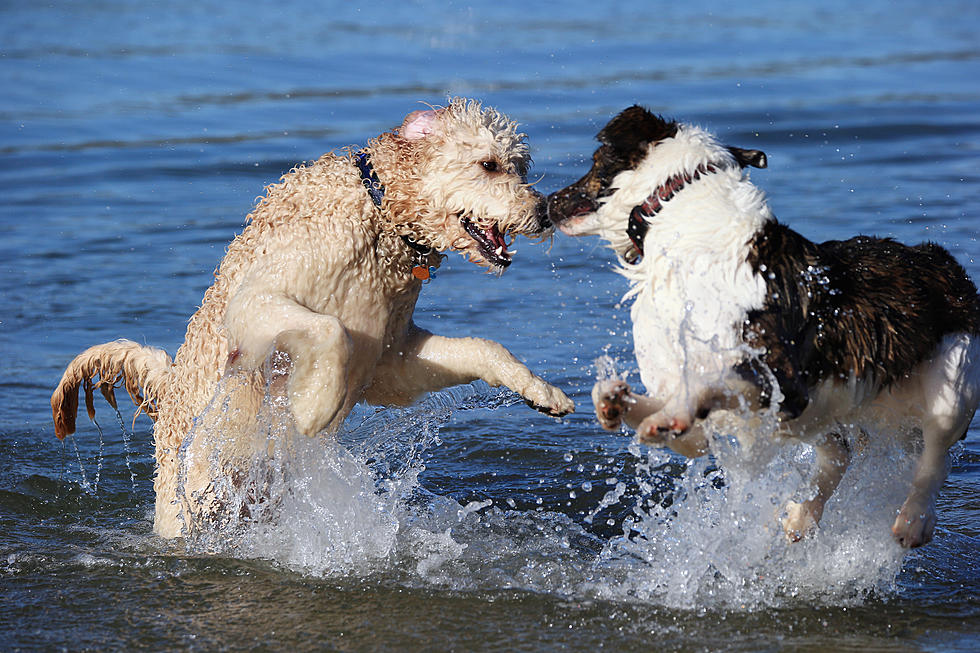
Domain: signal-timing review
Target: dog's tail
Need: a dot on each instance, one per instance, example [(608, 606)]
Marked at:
[(142, 370)]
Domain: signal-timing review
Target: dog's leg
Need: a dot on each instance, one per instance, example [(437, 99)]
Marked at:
[(951, 388), (916, 520), (615, 403), (678, 422), (833, 457), (318, 349), (675, 428), (317, 378), (429, 362)]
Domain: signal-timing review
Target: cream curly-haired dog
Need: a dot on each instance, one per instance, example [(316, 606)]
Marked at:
[(326, 277)]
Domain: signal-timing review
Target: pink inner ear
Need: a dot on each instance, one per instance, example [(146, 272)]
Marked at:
[(418, 124)]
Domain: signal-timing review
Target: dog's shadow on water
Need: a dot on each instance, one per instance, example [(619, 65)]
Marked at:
[(692, 534)]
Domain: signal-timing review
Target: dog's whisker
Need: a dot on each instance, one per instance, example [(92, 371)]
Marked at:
[(536, 182)]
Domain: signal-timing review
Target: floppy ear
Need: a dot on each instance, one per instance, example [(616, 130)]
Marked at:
[(418, 124), (754, 158)]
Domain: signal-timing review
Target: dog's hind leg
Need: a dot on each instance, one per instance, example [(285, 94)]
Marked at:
[(317, 347), (951, 388), (916, 519), (318, 354), (428, 362), (833, 457)]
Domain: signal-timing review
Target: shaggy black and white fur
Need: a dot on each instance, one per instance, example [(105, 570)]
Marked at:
[(732, 309)]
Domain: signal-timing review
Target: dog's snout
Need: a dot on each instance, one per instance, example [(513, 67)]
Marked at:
[(541, 213), (553, 210), (567, 203)]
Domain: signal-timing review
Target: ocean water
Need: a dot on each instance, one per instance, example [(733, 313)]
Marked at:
[(134, 139)]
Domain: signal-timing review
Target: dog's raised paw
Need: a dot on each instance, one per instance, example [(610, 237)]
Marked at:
[(660, 428), (611, 399), (546, 398)]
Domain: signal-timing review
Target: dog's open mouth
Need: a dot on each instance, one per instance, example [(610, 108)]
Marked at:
[(564, 210), (490, 242)]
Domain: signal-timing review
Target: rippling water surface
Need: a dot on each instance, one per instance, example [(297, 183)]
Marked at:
[(135, 138)]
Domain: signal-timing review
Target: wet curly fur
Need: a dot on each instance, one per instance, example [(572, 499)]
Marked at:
[(323, 278)]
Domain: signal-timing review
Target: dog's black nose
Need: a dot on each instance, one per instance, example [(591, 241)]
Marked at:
[(553, 210), (544, 221)]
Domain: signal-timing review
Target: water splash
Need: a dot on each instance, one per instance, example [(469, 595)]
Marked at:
[(719, 542), (707, 537), (84, 482), (127, 453), (92, 486), (712, 541), (332, 505)]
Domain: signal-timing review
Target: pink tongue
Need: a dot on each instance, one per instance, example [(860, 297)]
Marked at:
[(494, 236)]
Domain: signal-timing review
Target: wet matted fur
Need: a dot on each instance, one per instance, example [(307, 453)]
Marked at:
[(732, 308), (324, 279)]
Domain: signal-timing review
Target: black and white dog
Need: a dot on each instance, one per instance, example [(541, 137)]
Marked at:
[(733, 309)]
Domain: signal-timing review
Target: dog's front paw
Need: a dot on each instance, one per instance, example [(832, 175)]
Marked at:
[(611, 399), (914, 525), (546, 398), (662, 427), (799, 521)]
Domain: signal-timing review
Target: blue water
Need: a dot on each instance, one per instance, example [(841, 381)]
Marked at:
[(134, 139)]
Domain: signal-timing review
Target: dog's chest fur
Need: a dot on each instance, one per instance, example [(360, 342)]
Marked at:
[(694, 286)]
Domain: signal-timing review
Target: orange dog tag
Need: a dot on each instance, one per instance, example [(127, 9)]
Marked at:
[(421, 272)]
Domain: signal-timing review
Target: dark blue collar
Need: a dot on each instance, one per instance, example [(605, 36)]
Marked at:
[(369, 178), (377, 192)]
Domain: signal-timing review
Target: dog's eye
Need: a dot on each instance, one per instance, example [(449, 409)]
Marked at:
[(490, 166)]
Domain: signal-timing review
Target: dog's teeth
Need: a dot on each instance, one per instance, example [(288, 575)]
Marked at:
[(511, 252), (499, 251)]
